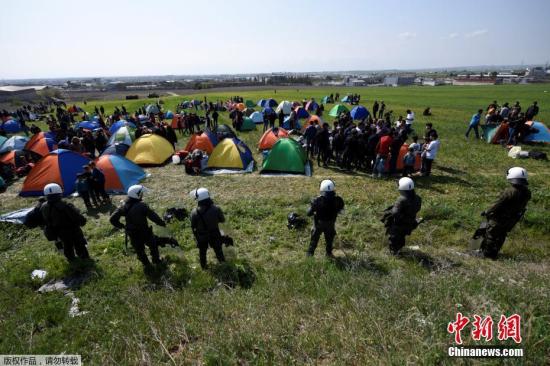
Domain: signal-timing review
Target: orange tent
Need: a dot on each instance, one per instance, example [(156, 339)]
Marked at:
[(202, 142), (402, 152), (40, 144), (311, 120), (270, 137), (240, 106), (13, 158)]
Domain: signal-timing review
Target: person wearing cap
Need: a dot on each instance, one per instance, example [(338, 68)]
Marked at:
[(205, 220), (400, 219), (506, 212), (324, 209), (62, 223), (141, 234)]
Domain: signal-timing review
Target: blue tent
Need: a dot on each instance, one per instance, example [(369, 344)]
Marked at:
[(301, 112), (118, 148), (88, 125), (359, 113), (14, 143), (169, 115), (260, 103), (151, 108), (267, 103), (543, 134), (286, 124), (11, 126), (115, 126), (120, 173), (346, 99), (268, 110)]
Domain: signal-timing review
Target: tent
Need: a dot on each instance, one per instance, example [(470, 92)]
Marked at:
[(150, 149), (494, 134), (169, 115), (205, 141), (257, 117), (312, 105), (311, 120), (230, 153), (267, 103), (286, 124), (270, 137), (284, 106), (359, 113), (124, 134), (13, 158), (118, 148), (337, 110), (11, 126), (402, 152), (286, 156), (120, 173), (152, 108), (119, 124), (223, 131), (248, 124), (268, 110), (2, 140), (60, 166), (248, 112), (543, 134), (249, 104), (88, 125), (240, 106), (346, 99), (326, 99), (13, 143), (301, 112), (40, 146)]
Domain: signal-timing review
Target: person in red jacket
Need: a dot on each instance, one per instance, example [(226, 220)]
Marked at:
[(382, 151)]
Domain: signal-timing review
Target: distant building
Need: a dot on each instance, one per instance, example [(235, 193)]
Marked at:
[(432, 82), (399, 80), (14, 92)]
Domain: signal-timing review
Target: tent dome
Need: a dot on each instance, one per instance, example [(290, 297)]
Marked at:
[(169, 115), (230, 153), (286, 156), (120, 173), (150, 149), (125, 135), (359, 112), (248, 124), (119, 124), (118, 148), (14, 143), (205, 141), (11, 126), (543, 134), (270, 137), (257, 117), (59, 166)]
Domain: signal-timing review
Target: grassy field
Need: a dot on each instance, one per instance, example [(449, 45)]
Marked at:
[(366, 307)]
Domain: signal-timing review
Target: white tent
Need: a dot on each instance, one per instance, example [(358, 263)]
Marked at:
[(125, 135), (285, 106), (257, 117)]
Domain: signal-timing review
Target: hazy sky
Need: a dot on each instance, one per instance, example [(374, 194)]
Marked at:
[(62, 38)]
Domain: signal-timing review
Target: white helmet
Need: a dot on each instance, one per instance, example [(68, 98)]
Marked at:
[(52, 188), (199, 194), (327, 186), (517, 175), (405, 184), (136, 191)]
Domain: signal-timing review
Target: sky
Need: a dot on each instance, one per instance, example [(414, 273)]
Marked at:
[(68, 38)]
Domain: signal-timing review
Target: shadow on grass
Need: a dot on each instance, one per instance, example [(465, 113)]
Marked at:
[(425, 260), (427, 182), (355, 264), (450, 170), (233, 274)]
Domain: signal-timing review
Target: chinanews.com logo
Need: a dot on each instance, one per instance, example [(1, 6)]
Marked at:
[(508, 328)]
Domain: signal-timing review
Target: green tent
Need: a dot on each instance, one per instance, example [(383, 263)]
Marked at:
[(249, 104), (2, 140), (248, 124), (326, 99), (286, 156), (337, 110)]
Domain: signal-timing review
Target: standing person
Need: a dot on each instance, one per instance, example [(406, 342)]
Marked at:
[(322, 141), (375, 107), (98, 183), (408, 161), (205, 220), (474, 124), (409, 120), (324, 209), (281, 117), (137, 227), (83, 189), (215, 116), (266, 121), (532, 111), (63, 223), (429, 154), (395, 148), (272, 118), (309, 134), (400, 219), (505, 213), (382, 151), (382, 108)]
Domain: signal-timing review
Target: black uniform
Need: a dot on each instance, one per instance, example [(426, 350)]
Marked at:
[(324, 209), (502, 217), (62, 223), (400, 219), (138, 229), (205, 220)]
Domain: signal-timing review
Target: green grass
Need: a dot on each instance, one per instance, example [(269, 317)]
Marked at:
[(365, 308)]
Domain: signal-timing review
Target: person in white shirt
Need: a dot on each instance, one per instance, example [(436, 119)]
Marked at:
[(428, 155), (409, 120)]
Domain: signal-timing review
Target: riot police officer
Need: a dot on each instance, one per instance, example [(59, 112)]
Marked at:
[(205, 220), (137, 228), (400, 219), (324, 209), (506, 212), (62, 223)]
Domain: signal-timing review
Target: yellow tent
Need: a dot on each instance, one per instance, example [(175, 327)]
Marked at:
[(150, 150), (230, 153)]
